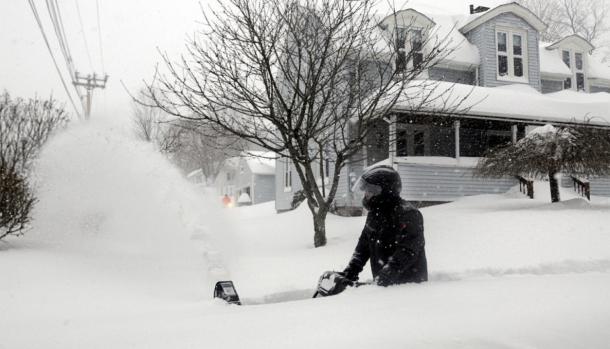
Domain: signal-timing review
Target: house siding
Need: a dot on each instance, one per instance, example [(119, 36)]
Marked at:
[(600, 186), (264, 189), (452, 75), (484, 37), (421, 182), (283, 198), (594, 89), (549, 86)]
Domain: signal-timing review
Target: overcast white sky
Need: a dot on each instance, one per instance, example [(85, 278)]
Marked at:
[(131, 32)]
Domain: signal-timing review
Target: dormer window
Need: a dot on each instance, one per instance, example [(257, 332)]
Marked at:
[(579, 71), (415, 39), (574, 61), (511, 47)]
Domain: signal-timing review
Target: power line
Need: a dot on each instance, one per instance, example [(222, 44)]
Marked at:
[(82, 28), (60, 33), (99, 34), (44, 36)]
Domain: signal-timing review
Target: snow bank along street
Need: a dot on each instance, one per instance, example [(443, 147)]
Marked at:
[(124, 253)]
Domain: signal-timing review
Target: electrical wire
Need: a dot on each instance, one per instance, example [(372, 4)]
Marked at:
[(61, 37), (99, 34), (82, 28), (44, 36)]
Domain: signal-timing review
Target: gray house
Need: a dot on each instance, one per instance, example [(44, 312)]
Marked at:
[(248, 179), (511, 82)]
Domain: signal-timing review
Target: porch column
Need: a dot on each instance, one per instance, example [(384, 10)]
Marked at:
[(392, 139), (514, 129), (456, 128)]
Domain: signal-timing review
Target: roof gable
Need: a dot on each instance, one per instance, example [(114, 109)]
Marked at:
[(573, 40), (407, 18), (514, 8)]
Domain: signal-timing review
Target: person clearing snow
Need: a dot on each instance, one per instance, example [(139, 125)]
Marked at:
[(392, 238)]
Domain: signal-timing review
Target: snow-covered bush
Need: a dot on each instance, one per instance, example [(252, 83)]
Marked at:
[(16, 201), (25, 125)]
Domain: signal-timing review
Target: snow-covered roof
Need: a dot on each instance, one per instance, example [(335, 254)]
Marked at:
[(461, 50), (598, 69), (475, 20), (260, 162), (519, 102), (551, 63), (573, 40)]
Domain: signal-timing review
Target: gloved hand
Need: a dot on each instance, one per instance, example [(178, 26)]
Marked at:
[(348, 276), (342, 278), (385, 277)]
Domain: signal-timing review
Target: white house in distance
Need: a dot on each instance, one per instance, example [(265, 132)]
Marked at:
[(512, 81), (248, 179)]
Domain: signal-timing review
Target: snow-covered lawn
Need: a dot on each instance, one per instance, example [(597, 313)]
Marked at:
[(124, 254)]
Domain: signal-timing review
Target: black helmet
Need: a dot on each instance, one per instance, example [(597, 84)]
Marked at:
[(382, 183)]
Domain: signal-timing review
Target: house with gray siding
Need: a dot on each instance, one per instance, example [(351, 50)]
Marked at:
[(511, 83), (248, 179)]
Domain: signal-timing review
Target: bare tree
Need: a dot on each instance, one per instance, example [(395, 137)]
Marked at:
[(25, 125), (155, 126), (581, 150), (587, 18), (205, 147), (299, 78)]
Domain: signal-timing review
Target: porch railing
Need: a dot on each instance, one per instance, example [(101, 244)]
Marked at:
[(526, 186), (582, 187)]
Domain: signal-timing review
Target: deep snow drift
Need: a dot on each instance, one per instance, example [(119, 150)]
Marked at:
[(124, 251)]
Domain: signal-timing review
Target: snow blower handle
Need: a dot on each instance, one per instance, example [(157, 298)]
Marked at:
[(332, 283)]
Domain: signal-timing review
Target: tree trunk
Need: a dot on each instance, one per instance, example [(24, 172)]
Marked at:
[(319, 226), (554, 186)]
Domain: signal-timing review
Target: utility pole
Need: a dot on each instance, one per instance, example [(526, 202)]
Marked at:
[(89, 82)]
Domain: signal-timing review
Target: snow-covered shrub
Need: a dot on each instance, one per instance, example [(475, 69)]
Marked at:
[(16, 201), (25, 125)]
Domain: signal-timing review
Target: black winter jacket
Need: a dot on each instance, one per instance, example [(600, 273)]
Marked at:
[(393, 241)]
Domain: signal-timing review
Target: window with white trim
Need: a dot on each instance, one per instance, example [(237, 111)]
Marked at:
[(576, 62), (579, 71), (287, 176), (511, 47), (565, 56), (414, 36)]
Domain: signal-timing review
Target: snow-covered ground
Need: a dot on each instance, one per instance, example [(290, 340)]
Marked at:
[(124, 252)]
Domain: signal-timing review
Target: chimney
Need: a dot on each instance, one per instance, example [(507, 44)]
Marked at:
[(479, 9)]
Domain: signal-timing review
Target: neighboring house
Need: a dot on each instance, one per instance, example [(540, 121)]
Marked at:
[(248, 178), (512, 82)]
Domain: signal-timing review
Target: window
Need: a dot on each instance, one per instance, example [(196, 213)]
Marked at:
[(287, 175), (425, 136), (578, 60), (416, 48), (401, 54), (478, 136), (566, 57), (518, 55), (512, 49), (575, 61), (415, 39), (580, 82), (502, 55), (579, 71), (229, 176)]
